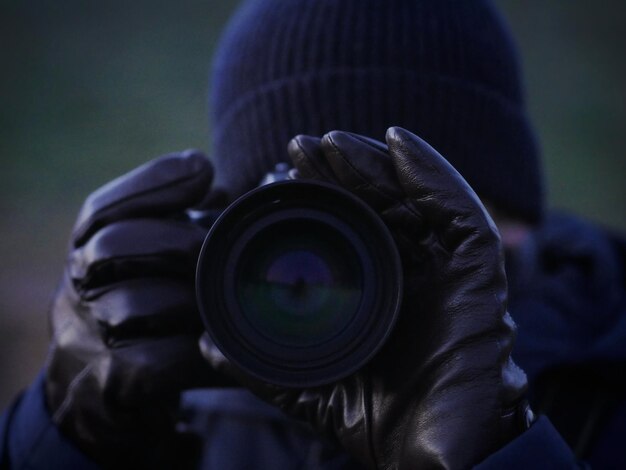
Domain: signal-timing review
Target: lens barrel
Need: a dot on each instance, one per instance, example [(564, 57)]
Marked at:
[(299, 283)]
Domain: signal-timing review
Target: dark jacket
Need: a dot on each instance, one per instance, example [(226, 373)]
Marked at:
[(567, 291)]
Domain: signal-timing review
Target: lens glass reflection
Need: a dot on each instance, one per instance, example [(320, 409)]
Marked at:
[(299, 282)]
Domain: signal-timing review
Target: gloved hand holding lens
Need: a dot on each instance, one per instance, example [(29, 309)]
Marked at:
[(442, 390)]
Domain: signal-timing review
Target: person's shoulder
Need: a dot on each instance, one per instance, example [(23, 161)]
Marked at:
[(572, 236), (29, 438), (567, 294), (569, 225)]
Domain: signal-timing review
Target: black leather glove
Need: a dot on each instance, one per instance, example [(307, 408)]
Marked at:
[(124, 321), (443, 391)]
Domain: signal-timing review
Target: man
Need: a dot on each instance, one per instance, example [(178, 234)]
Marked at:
[(443, 392)]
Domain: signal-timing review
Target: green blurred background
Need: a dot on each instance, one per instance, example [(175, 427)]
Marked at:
[(92, 89)]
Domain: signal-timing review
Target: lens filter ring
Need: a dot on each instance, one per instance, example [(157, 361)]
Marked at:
[(299, 283)]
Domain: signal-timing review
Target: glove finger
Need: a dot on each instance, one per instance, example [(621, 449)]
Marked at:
[(308, 158), (364, 167), (136, 248), (163, 186), (123, 313), (436, 189), (145, 307)]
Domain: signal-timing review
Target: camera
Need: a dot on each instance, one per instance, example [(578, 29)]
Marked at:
[(298, 282)]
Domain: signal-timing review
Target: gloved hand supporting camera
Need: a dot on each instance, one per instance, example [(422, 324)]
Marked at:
[(124, 321)]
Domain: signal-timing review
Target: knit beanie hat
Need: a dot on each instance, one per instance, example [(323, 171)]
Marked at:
[(447, 70)]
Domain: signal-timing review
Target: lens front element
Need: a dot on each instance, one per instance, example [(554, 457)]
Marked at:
[(299, 282)]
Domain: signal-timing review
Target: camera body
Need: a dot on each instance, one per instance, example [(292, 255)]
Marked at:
[(298, 282)]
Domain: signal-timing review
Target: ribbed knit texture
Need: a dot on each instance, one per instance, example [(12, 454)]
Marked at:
[(447, 70)]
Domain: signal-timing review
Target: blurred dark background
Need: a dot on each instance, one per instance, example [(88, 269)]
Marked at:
[(89, 90)]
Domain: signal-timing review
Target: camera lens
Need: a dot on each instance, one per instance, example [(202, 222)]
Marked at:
[(299, 283)]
